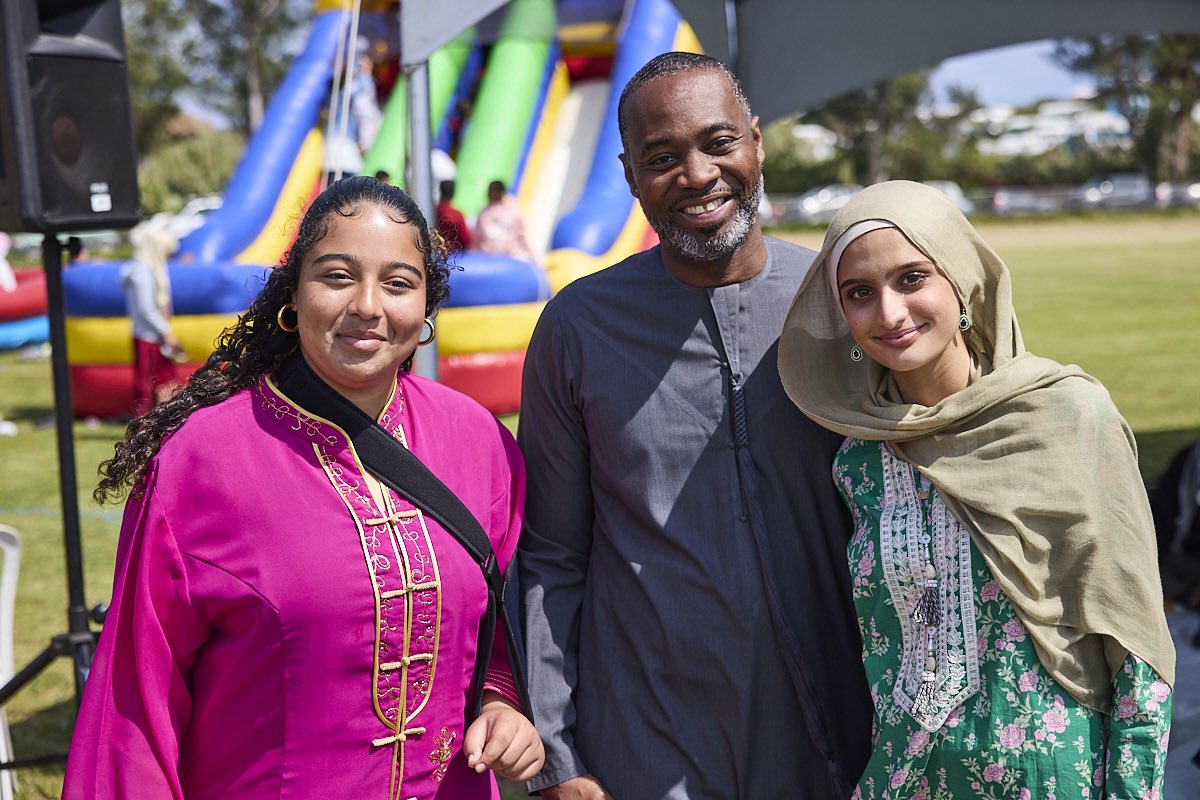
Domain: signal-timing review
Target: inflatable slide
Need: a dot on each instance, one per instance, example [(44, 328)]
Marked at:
[(528, 97)]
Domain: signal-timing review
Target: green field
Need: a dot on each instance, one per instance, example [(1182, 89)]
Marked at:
[(1118, 295)]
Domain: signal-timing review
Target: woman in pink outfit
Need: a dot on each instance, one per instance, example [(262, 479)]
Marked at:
[(283, 624)]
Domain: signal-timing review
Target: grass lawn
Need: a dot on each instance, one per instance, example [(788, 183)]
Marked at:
[(1118, 295)]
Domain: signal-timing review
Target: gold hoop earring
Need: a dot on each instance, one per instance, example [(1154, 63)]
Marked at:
[(424, 340), (279, 318)]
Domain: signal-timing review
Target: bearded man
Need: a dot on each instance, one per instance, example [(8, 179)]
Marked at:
[(688, 623)]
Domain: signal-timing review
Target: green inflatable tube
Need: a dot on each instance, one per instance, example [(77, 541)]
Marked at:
[(505, 105), (390, 148)]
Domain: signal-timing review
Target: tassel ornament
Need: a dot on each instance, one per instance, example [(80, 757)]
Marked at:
[(923, 702), (928, 610)]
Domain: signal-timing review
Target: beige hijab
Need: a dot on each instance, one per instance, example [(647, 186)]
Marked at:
[(1032, 456)]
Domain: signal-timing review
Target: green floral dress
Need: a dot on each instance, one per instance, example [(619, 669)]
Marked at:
[(963, 707)]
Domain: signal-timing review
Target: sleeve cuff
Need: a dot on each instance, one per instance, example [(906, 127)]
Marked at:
[(500, 681)]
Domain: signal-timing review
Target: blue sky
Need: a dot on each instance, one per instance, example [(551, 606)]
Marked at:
[(1015, 75)]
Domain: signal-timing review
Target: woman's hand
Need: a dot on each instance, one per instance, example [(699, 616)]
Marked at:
[(503, 740)]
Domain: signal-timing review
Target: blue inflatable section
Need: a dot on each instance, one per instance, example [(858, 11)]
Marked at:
[(94, 289), (594, 224), (23, 332), (467, 79), (492, 280), (271, 153)]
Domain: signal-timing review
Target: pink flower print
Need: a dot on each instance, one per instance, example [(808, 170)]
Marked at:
[(1098, 777), (954, 718), (1162, 743), (857, 793), (989, 592), (1012, 737), (1039, 734), (1126, 707), (1014, 630), (1028, 681), (898, 778), (1055, 721), (917, 742), (981, 645), (1160, 691), (993, 773), (1152, 794), (1024, 794)]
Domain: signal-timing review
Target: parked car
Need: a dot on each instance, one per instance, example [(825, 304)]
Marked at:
[(29, 245), (193, 214), (1171, 195), (955, 193), (1118, 190), (1021, 200), (817, 206)]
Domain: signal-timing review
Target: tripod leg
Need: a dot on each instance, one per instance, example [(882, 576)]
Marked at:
[(32, 669)]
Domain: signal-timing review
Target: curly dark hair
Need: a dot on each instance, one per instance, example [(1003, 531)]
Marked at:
[(256, 345)]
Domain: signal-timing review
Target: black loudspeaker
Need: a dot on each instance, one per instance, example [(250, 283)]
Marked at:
[(68, 159)]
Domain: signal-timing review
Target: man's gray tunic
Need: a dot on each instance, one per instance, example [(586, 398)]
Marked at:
[(657, 661)]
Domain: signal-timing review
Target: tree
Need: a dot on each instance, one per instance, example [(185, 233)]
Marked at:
[(241, 53), (158, 54), (1153, 80), (868, 120)]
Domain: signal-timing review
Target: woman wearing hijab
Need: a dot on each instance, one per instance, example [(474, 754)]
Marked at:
[(284, 624), (1003, 555)]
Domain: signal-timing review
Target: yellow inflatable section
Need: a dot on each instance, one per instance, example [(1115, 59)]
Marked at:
[(486, 329), (280, 229), (539, 151), (109, 340)]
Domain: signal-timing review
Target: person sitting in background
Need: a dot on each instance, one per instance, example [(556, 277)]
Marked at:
[(500, 228), (1003, 559), (283, 623), (450, 221), (148, 303)]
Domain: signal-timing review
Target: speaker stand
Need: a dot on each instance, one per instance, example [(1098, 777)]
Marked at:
[(79, 642)]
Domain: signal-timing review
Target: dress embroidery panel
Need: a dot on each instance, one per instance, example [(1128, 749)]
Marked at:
[(916, 534), (404, 578)]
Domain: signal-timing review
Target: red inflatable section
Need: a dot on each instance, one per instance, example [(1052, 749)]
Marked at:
[(29, 298), (492, 379), (581, 68), (106, 390)]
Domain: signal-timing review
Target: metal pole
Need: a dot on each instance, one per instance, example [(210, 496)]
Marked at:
[(426, 362), (77, 612)]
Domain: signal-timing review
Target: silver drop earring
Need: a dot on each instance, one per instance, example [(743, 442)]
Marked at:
[(964, 322), (856, 354)]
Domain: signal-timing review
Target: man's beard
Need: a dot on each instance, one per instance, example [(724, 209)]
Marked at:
[(714, 245)]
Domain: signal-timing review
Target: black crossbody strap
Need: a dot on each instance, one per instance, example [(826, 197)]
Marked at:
[(403, 472)]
